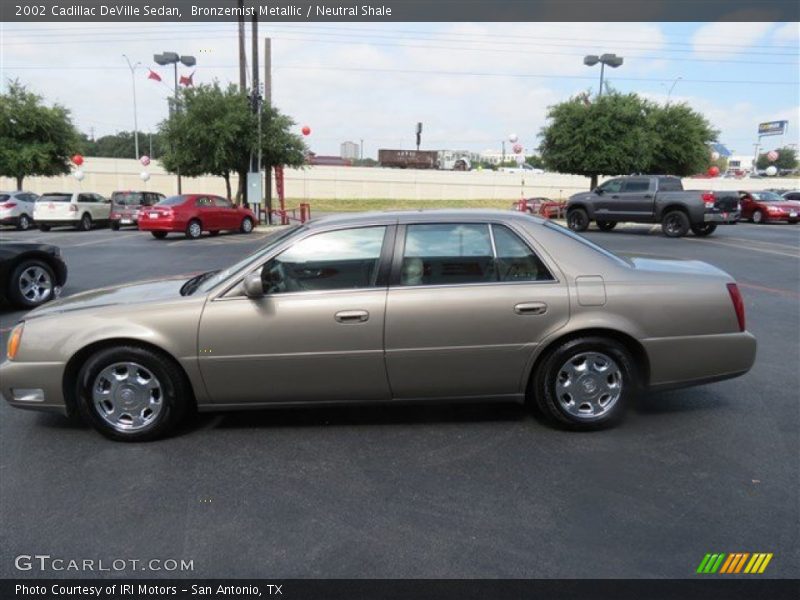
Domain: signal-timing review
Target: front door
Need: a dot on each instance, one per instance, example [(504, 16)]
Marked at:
[(468, 307), (316, 334), (636, 199)]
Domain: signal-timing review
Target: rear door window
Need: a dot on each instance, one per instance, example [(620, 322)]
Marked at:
[(222, 203), (637, 185), (669, 184), (515, 260)]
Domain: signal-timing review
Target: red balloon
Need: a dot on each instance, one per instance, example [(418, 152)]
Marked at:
[(713, 171), (306, 130), (77, 159)]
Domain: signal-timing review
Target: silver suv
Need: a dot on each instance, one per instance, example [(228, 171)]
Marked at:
[(16, 208)]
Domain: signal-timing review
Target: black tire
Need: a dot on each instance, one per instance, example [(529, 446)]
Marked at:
[(704, 230), (159, 235), (44, 227), (115, 225), (247, 225), (544, 383), (213, 233), (15, 295), (24, 222), (174, 392), (675, 224), (578, 219), (606, 225), (194, 229), (85, 224), (757, 217)]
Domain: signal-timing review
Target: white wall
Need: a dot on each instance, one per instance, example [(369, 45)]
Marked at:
[(104, 175)]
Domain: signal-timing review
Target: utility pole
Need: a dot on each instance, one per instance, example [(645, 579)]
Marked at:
[(254, 191), (135, 119), (242, 57), (268, 102), (361, 149)]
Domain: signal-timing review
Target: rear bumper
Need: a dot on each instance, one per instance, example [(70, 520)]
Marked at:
[(693, 360), (158, 225), (721, 218), (6, 220), (33, 385)]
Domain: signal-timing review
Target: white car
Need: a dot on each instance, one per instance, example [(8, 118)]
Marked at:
[(16, 208), (81, 210), (523, 168)]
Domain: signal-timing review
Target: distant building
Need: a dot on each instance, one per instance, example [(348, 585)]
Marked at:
[(350, 151), (327, 161), (741, 163)]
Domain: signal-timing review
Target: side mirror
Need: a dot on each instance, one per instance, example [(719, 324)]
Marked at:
[(253, 286), (598, 191)]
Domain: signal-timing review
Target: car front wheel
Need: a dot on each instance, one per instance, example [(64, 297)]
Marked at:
[(32, 283), (586, 383), (132, 394), (578, 219), (247, 225)]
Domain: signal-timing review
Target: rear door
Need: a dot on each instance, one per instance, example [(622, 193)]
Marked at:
[(100, 207), (226, 214), (468, 304), (208, 213), (636, 199)]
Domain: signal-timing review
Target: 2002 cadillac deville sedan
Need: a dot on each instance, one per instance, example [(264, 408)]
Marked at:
[(404, 306)]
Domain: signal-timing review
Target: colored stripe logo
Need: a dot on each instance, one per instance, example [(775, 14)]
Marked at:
[(734, 563)]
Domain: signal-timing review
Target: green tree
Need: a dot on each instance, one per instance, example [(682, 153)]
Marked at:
[(121, 145), (681, 139), (609, 136), (215, 131), (786, 161), (35, 139)]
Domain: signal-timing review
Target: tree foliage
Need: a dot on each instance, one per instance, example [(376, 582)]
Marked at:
[(215, 131), (786, 161), (122, 145), (619, 134), (35, 139)]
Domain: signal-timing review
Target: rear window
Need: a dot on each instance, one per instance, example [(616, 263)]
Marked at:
[(126, 198), (579, 238), (3, 197), (669, 184), (173, 201), (55, 198)]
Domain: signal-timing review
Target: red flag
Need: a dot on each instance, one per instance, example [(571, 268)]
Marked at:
[(153, 75), (187, 81)]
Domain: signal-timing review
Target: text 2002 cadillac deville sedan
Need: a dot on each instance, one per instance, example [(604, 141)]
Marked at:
[(404, 306)]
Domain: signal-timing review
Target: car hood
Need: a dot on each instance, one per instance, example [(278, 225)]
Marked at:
[(671, 265), (135, 293)]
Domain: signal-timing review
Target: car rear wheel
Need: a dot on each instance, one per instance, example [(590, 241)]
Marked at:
[(247, 225), (115, 225), (578, 219), (159, 235), (44, 227), (586, 383), (704, 229), (194, 229), (132, 394), (32, 283), (606, 225), (85, 222), (758, 217), (24, 222), (675, 224)]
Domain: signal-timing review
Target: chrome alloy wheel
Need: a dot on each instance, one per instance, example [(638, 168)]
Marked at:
[(127, 396), (588, 385), (195, 229), (35, 284)]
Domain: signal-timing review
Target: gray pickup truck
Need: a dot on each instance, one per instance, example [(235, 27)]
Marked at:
[(652, 199)]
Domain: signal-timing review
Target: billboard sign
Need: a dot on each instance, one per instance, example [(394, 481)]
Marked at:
[(773, 128)]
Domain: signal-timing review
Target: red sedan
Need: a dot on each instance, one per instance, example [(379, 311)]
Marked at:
[(762, 207), (192, 214)]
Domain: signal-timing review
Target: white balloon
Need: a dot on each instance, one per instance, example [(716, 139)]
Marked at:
[(144, 175), (715, 156), (79, 175), (513, 137), (772, 171)]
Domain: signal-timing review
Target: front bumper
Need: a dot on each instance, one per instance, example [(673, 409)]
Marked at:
[(693, 360), (26, 376)]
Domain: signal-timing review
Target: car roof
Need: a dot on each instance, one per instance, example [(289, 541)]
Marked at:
[(430, 216)]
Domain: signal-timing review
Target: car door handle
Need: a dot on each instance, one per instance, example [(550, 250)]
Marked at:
[(615, 196), (530, 308), (351, 316), (647, 196)]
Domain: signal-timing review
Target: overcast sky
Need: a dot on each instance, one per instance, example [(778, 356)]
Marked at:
[(470, 84)]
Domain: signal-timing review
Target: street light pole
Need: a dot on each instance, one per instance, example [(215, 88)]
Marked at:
[(672, 87), (612, 60), (135, 119)]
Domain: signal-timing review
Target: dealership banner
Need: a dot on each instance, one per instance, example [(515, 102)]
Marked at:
[(748, 588), (773, 128)]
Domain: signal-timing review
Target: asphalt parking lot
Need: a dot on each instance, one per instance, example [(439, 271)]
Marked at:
[(466, 491)]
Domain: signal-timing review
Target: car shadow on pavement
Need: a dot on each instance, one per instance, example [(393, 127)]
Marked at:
[(695, 399)]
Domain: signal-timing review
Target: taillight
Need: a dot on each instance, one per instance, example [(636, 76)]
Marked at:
[(8, 205), (738, 304), (73, 208), (709, 199)]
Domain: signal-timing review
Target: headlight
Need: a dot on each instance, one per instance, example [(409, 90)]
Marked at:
[(14, 340)]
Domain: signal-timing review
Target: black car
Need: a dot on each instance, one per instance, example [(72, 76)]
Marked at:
[(30, 274)]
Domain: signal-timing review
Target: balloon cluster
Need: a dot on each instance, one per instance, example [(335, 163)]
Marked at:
[(77, 160)]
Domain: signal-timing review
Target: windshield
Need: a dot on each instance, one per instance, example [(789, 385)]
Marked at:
[(767, 197), (55, 198), (584, 241), (208, 280), (173, 201)]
